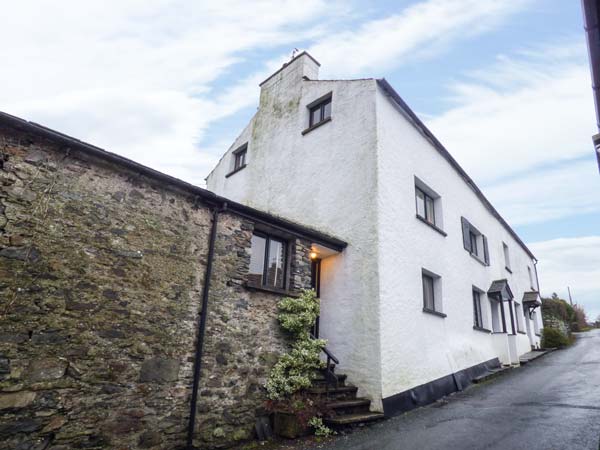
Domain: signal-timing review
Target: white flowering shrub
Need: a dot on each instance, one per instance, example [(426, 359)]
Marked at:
[(295, 370)]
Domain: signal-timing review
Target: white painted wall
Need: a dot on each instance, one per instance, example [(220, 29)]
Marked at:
[(354, 177), (418, 347), (326, 180)]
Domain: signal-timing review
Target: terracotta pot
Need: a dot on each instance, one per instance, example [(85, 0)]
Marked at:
[(288, 425)]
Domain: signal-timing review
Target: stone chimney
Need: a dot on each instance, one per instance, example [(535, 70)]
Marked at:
[(288, 79)]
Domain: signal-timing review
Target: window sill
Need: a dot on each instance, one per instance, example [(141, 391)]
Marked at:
[(521, 332), (484, 330), (271, 290), (316, 125), (478, 259), (508, 269), (439, 230), (499, 332), (435, 313), (538, 334), (235, 171)]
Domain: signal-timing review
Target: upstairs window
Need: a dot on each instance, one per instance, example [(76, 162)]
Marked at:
[(506, 257), (239, 159), (320, 112), (425, 209), (475, 242), (268, 261), (530, 278)]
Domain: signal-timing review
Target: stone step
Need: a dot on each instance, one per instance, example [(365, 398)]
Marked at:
[(346, 392), (491, 374), (321, 379), (354, 419), (352, 406)]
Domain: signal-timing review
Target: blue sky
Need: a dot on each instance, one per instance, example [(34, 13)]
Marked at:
[(503, 84)]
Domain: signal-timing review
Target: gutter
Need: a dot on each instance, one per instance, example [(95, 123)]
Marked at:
[(591, 19), (202, 326)]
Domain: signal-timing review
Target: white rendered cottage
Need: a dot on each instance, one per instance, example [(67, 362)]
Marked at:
[(434, 287)]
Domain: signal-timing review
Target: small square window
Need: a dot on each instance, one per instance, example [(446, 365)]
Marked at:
[(239, 159), (475, 242), (320, 111)]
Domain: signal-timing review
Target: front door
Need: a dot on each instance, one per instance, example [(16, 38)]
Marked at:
[(315, 283)]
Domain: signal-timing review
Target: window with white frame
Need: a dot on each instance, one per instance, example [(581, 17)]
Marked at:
[(519, 317), (530, 278)]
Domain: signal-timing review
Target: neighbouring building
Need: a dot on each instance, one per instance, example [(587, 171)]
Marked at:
[(434, 286), (591, 20), (103, 278)]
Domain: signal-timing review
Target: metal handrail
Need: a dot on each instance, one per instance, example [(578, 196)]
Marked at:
[(329, 373)]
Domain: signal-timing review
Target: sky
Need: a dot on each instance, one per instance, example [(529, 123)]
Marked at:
[(505, 85)]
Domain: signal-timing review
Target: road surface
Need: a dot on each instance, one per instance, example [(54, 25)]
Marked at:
[(550, 403)]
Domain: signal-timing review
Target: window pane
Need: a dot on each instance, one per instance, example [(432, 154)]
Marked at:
[(257, 260), (428, 300), (275, 264), (477, 319), (315, 116), (429, 211), (327, 110), (420, 203), (473, 238)]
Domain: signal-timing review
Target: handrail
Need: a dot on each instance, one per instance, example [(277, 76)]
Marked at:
[(329, 374), (327, 352)]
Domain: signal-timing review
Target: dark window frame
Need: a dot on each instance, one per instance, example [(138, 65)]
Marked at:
[(477, 311), (470, 234), (239, 159), (320, 107), (474, 246), (285, 245), (435, 301), (426, 197)]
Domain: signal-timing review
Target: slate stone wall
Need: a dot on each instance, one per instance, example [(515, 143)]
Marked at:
[(101, 274)]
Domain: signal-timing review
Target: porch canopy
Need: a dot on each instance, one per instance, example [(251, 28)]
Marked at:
[(500, 290), (531, 300)]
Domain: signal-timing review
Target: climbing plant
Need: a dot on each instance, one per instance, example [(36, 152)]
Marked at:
[(295, 370)]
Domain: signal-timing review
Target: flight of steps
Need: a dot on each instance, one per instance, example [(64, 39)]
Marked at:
[(345, 408)]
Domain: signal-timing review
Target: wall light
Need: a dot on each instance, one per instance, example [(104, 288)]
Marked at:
[(313, 255)]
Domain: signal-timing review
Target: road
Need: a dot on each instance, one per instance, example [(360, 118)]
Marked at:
[(550, 403)]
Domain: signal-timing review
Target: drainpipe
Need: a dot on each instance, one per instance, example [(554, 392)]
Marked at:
[(202, 325), (591, 19)]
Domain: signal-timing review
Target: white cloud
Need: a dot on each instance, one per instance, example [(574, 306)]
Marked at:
[(421, 29), (139, 77), (533, 109), (573, 262), (545, 195)]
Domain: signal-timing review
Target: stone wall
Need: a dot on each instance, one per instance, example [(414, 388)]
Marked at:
[(551, 321), (101, 274)]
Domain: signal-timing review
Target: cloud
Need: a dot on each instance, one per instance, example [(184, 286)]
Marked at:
[(139, 78), (573, 262), (420, 29), (147, 79), (534, 107), (548, 194)]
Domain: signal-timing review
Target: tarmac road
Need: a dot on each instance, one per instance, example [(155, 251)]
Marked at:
[(550, 403)]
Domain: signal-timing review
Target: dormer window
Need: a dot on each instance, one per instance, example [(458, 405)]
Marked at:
[(239, 159)]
